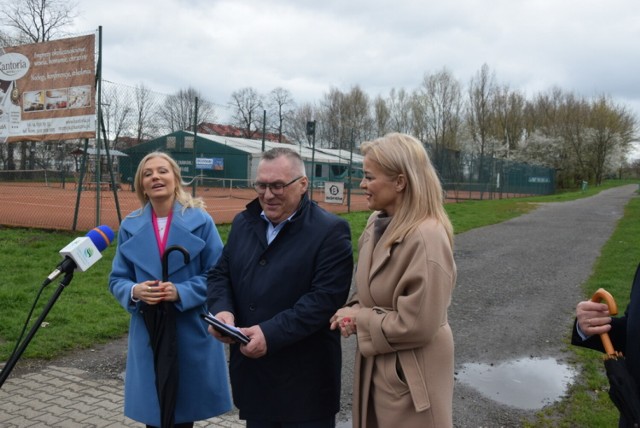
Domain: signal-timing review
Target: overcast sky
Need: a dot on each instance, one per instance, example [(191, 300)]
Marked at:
[(589, 47)]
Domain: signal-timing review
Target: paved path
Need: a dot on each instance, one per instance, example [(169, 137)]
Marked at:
[(66, 397), (503, 272), (518, 284)]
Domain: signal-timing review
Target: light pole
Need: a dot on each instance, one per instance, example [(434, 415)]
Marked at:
[(311, 130)]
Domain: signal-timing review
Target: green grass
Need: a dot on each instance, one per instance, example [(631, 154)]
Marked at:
[(86, 314)]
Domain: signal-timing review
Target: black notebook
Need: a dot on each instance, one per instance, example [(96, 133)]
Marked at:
[(225, 329)]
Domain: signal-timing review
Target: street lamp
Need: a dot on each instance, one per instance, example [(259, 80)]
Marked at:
[(311, 130)]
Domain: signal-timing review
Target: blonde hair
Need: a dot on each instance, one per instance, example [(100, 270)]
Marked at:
[(182, 196), (401, 154)]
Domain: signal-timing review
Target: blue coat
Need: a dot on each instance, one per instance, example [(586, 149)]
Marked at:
[(624, 335), (291, 289), (203, 389)]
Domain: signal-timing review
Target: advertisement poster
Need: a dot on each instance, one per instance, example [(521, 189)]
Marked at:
[(47, 90)]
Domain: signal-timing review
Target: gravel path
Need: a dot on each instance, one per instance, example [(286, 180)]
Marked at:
[(518, 283)]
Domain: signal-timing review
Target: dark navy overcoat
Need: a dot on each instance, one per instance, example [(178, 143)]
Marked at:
[(290, 288)]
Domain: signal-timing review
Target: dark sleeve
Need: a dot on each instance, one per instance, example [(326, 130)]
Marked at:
[(219, 292), (617, 334), (333, 267)]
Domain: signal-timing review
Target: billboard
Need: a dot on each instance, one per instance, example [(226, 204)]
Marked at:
[(47, 90)]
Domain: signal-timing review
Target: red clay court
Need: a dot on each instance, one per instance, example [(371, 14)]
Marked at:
[(52, 207)]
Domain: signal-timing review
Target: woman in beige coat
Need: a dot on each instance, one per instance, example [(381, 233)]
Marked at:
[(404, 280)]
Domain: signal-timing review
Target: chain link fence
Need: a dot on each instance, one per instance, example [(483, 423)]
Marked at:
[(53, 199), (61, 185)]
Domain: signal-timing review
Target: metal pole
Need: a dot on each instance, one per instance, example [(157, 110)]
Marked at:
[(264, 127), (98, 163), (195, 140), (350, 169), (313, 158)]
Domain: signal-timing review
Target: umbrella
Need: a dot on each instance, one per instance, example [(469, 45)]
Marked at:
[(160, 321), (623, 390)]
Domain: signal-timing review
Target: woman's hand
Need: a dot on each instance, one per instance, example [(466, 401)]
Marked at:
[(154, 292), (146, 291), (168, 291), (345, 320)]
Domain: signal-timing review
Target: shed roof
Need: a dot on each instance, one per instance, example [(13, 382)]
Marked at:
[(254, 147), (103, 152)]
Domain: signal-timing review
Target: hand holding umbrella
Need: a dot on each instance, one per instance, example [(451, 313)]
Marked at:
[(160, 321), (623, 390)]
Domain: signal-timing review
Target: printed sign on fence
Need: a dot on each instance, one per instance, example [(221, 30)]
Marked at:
[(47, 90), (334, 192)]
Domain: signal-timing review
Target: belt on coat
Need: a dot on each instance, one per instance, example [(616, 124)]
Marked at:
[(417, 386)]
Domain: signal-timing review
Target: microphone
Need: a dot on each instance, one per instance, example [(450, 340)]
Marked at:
[(82, 253)]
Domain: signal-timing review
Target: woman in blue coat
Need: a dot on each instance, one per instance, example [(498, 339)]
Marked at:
[(169, 216)]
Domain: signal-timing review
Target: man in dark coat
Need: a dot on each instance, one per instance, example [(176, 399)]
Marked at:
[(593, 318), (285, 270)]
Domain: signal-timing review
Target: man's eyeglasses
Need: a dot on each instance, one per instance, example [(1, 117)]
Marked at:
[(276, 188)]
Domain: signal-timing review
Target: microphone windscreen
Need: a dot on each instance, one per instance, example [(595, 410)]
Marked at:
[(101, 236)]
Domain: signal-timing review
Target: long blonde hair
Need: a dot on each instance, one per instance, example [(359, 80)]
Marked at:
[(398, 154), (182, 196)]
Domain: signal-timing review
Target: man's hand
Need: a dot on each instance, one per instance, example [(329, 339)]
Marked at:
[(227, 318), (593, 318), (257, 346)]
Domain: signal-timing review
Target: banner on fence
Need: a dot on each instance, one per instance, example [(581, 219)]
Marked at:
[(47, 90)]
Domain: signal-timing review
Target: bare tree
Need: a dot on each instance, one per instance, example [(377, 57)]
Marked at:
[(178, 110), (345, 118), (613, 130), (358, 121), (38, 20), (280, 107), (480, 116), (297, 127), (508, 110), (544, 122), (441, 102), (143, 113), (399, 104), (331, 118), (116, 113), (381, 116), (6, 39), (247, 107)]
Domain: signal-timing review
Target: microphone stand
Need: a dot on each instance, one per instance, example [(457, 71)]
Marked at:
[(18, 353)]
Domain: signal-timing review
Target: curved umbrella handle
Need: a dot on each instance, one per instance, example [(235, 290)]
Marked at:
[(165, 259), (599, 295)]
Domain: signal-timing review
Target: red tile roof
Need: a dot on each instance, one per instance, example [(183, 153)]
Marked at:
[(234, 131)]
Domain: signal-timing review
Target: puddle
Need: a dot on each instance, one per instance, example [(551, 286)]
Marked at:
[(527, 384)]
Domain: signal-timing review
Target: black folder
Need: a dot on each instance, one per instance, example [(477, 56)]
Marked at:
[(225, 329)]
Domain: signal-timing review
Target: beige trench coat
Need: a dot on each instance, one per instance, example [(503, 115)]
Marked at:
[(404, 362)]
